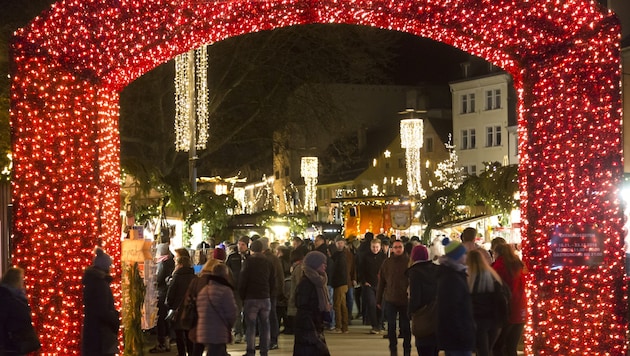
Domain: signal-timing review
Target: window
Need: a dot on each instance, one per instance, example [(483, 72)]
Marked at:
[(469, 141), (468, 103), (493, 136), (286, 171), (428, 145), (472, 170), (493, 99), (401, 163)]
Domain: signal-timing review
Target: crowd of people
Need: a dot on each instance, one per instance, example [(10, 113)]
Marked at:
[(252, 290)]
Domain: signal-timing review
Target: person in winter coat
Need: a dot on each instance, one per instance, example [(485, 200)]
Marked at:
[(368, 275), (422, 276), (195, 286), (182, 276), (216, 308), (296, 275), (256, 283), (512, 271), (165, 268), (482, 280), (15, 313), (339, 281), (312, 301), (455, 322), (391, 297), (101, 322), (235, 262)]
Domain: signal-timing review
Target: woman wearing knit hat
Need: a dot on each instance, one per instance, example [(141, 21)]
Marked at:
[(455, 323), (311, 300), (101, 322), (422, 276)]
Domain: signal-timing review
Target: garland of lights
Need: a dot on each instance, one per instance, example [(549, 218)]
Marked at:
[(71, 62), (411, 139), (191, 91), (309, 171)]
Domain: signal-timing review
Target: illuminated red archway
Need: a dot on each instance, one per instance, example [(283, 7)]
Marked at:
[(70, 64)]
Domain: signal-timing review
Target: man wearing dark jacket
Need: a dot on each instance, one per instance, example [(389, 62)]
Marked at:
[(391, 296), (277, 293), (165, 268), (339, 282), (455, 323), (235, 262), (256, 281), (368, 276)]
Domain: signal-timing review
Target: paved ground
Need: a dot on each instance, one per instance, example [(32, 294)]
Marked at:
[(356, 343)]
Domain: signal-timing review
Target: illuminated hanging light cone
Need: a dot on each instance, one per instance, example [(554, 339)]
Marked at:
[(191, 99), (411, 138), (309, 173)]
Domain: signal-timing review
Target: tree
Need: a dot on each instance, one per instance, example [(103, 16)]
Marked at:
[(494, 189), (251, 78)]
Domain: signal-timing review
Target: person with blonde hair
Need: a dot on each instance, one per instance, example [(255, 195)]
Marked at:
[(195, 286), (483, 282), (182, 276), (217, 311)]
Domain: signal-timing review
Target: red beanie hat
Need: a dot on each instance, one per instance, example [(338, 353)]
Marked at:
[(218, 254), (419, 253)]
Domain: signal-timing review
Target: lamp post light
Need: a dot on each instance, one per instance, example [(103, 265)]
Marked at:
[(309, 171)]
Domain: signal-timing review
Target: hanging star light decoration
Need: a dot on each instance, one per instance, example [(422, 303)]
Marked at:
[(70, 64)]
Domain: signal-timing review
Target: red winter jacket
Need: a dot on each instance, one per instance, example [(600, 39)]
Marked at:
[(516, 282)]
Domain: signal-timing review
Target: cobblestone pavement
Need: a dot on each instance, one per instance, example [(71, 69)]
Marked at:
[(359, 342)]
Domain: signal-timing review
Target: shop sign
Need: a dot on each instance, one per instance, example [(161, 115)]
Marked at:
[(400, 216), (573, 246), (136, 250)]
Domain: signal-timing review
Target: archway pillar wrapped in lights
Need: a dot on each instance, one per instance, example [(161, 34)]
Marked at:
[(71, 62)]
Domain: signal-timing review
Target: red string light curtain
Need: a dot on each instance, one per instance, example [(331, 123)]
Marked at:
[(70, 63)]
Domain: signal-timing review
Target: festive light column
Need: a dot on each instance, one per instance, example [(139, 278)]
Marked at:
[(411, 137), (309, 171), (191, 106)]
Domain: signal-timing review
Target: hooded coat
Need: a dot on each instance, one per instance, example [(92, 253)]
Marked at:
[(15, 315), (101, 323)]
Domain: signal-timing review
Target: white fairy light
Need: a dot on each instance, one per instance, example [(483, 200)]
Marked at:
[(411, 138), (309, 171), (187, 96)]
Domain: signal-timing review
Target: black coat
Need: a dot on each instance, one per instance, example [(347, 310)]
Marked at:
[(164, 271), (339, 276), (309, 323), (177, 290), (422, 284), (101, 323), (422, 290), (455, 324), (15, 314)]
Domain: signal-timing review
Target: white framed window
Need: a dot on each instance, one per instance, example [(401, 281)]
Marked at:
[(469, 139), (493, 99), (468, 103), (493, 136), (470, 170)]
